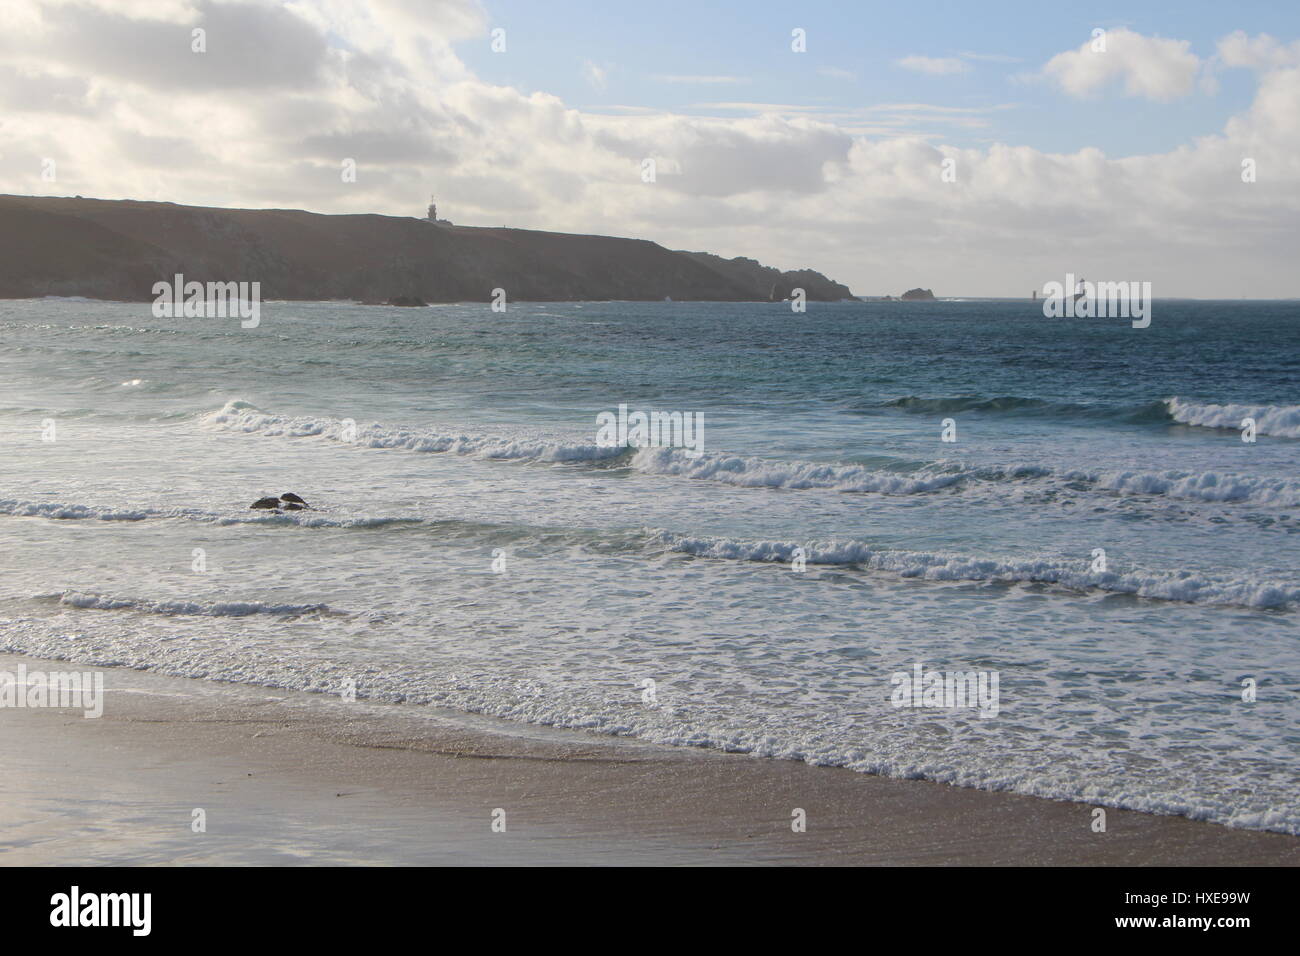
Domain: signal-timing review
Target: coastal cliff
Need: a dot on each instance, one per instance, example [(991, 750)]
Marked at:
[(117, 249)]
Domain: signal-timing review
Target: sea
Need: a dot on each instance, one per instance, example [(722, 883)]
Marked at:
[(1100, 521)]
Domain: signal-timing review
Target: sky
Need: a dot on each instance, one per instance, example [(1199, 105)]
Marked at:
[(976, 150)]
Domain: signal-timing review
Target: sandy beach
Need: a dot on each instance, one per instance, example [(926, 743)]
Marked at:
[(289, 778)]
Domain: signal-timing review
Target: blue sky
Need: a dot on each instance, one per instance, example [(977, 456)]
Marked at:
[(639, 46)]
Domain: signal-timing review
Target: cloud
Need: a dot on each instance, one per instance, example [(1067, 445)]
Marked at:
[(854, 191), (595, 74), (836, 73), (33, 91), (935, 66), (715, 158), (1151, 67), (1262, 52), (248, 45)]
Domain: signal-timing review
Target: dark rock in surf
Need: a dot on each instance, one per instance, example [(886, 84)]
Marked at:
[(286, 502)]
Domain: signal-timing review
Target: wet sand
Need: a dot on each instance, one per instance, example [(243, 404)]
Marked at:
[(284, 777)]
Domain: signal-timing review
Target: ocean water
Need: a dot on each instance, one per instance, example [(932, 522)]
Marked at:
[(471, 545)]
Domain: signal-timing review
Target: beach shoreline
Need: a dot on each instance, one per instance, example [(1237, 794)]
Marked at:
[(285, 777)]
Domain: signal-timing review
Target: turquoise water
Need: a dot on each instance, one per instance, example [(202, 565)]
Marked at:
[(436, 443)]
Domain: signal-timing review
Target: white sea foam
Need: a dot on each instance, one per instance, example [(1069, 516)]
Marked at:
[(1203, 486), (1281, 421), (1160, 585), (102, 602), (754, 472), (306, 519), (241, 416), (53, 509), (795, 475), (1157, 584), (762, 473)]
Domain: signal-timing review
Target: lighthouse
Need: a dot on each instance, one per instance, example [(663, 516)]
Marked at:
[(433, 211)]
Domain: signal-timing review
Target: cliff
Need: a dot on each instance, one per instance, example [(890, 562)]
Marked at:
[(111, 249), (772, 284)]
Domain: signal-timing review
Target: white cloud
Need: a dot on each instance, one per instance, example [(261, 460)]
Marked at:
[(1261, 52), (595, 74), (935, 66), (853, 192), (1152, 67)]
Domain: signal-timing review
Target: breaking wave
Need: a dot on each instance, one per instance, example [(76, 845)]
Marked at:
[(765, 473), (1280, 421), (101, 602), (305, 519), (1184, 586), (241, 416)]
